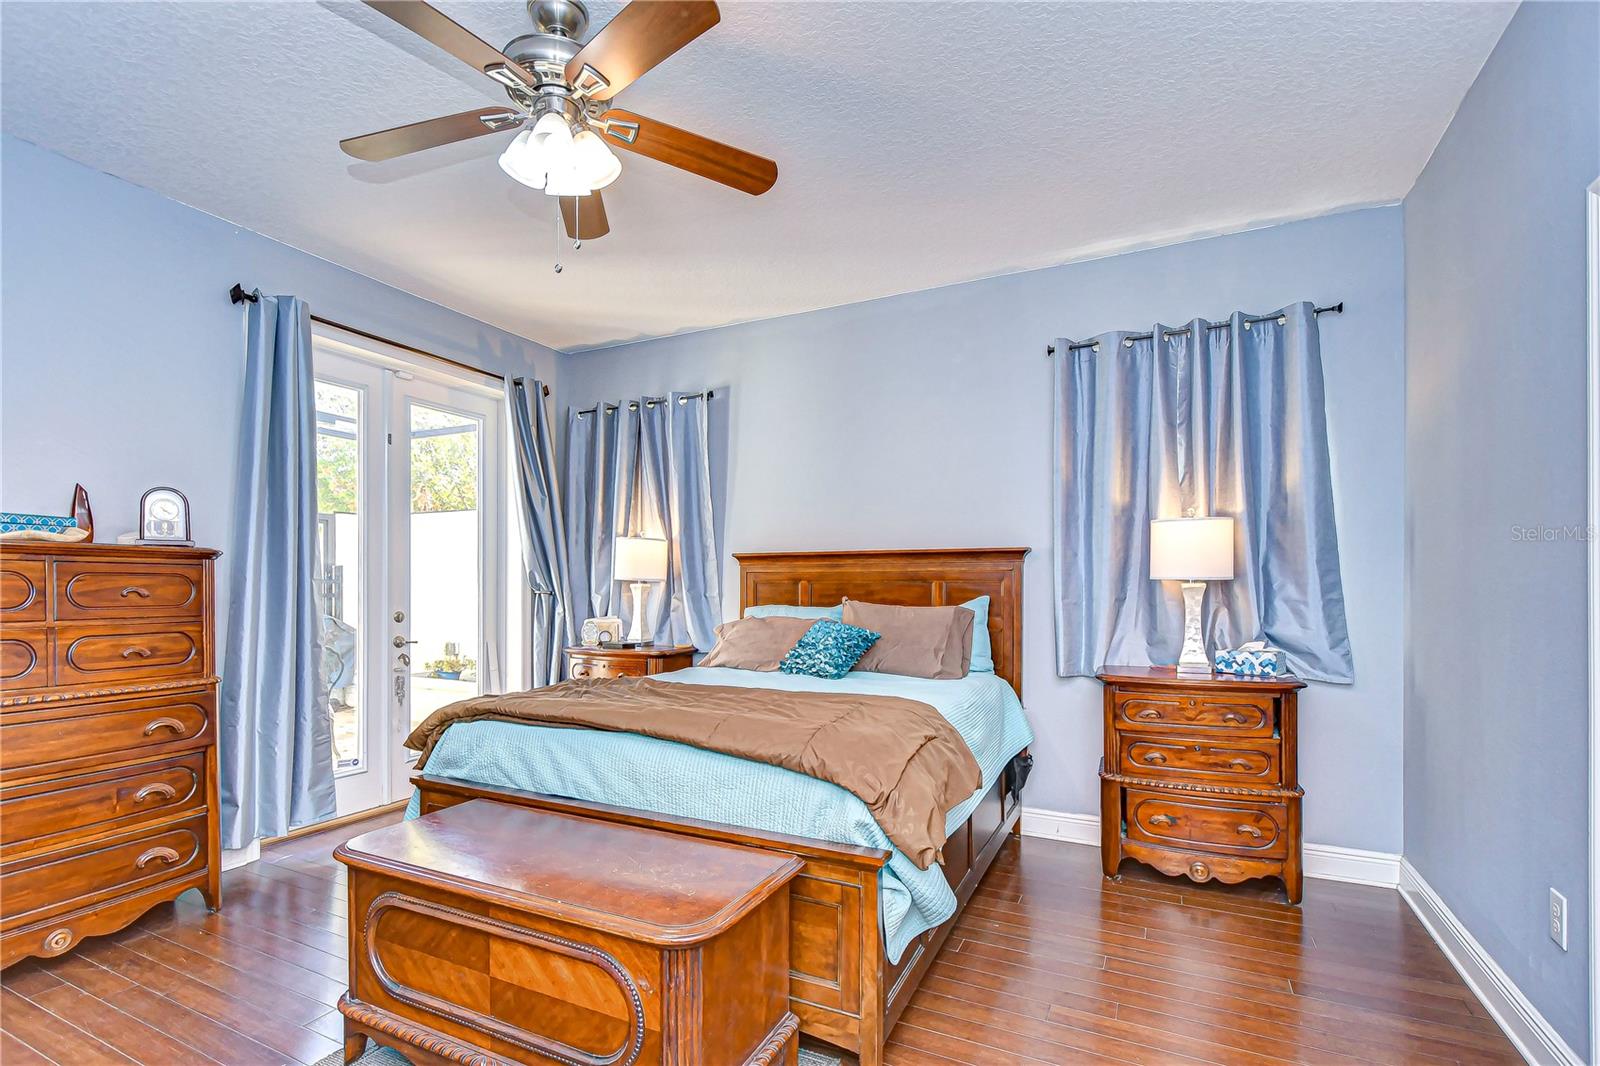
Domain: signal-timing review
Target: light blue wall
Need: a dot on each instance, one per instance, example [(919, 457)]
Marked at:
[(924, 421), (1497, 747), (122, 357)]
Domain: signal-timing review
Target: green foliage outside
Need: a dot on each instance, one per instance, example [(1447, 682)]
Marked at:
[(444, 468)]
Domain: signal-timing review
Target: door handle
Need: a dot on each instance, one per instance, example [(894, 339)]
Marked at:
[(401, 642)]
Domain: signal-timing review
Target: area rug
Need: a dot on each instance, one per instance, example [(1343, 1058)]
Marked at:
[(376, 1055)]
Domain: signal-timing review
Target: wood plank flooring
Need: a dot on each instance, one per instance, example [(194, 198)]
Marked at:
[(1050, 963)]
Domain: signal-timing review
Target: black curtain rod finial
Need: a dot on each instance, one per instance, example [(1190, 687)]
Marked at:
[(238, 295)]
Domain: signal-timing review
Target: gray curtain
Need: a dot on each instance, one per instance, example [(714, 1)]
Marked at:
[(642, 468), (276, 744), (601, 495), (544, 539), (1226, 421)]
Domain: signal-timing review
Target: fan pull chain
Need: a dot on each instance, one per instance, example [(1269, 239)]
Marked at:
[(556, 200)]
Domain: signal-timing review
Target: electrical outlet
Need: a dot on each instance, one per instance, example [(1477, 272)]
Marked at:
[(1558, 918)]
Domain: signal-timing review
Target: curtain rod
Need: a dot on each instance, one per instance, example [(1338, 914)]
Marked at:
[(1334, 309), (238, 295), (634, 405)]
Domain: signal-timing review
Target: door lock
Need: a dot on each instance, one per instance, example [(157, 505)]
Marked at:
[(399, 616)]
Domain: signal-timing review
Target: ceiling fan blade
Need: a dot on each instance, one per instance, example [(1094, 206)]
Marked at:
[(434, 26), (642, 35), (590, 214), (731, 166), (403, 140)]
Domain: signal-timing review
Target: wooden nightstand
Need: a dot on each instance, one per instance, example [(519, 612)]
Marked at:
[(1200, 776), (628, 662)]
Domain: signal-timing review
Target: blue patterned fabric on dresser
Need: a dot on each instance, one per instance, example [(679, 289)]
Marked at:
[(828, 650), (629, 770), (14, 521)]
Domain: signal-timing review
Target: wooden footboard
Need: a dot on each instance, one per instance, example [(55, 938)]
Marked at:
[(841, 986)]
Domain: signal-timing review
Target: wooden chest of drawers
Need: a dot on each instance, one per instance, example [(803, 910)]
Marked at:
[(108, 766), (1199, 777)]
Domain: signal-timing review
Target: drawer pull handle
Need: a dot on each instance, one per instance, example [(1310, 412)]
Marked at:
[(1234, 717), (1163, 819), (143, 653), (1240, 763), (166, 855), (1149, 714), (135, 590), (1249, 831), (160, 788), (164, 723), (1155, 757)]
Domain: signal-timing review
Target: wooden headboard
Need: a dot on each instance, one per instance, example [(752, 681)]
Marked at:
[(914, 577)]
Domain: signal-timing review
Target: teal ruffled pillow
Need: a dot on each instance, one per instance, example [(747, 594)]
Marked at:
[(828, 649)]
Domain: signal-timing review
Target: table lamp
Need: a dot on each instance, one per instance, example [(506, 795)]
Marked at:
[(639, 560), (1193, 551)]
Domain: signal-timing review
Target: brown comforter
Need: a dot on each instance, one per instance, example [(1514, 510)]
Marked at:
[(900, 757)]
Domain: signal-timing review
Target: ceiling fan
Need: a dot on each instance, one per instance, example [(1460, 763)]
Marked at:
[(561, 92)]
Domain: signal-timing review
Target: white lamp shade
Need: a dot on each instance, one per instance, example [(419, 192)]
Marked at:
[(1191, 549), (523, 161), (597, 165), (639, 559)]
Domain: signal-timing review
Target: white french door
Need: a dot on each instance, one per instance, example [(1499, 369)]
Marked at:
[(411, 544)]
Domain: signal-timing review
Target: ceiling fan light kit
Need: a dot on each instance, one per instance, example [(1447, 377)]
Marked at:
[(561, 90)]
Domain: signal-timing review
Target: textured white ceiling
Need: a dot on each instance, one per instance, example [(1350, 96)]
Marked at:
[(918, 144)]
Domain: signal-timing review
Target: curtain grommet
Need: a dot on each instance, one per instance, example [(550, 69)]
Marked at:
[(1097, 349), (1283, 320), (1128, 343)]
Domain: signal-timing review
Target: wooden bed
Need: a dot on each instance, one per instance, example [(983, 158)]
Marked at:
[(841, 985)]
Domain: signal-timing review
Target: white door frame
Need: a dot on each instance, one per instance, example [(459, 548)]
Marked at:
[(384, 754), (1593, 531)]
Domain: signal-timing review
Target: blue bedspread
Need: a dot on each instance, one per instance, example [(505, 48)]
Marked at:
[(628, 770)]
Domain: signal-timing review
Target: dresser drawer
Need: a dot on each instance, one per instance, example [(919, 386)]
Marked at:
[(35, 737), (91, 590), (584, 667), (62, 880), (109, 654), (1225, 826), (1238, 715), (24, 658), (1244, 761), (52, 813), (22, 588)]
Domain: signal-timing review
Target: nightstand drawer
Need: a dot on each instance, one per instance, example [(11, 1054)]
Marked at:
[(581, 666), (1245, 761), (1235, 714), (1223, 826)]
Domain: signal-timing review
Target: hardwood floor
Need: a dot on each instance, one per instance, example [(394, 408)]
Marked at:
[(1050, 963)]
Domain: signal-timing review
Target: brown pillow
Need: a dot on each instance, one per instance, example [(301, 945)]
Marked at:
[(756, 643), (914, 641)]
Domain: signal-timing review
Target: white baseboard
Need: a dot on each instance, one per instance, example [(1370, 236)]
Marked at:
[(1325, 861), (233, 858), (1523, 1024)]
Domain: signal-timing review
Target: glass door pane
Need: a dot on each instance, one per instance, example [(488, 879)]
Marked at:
[(447, 573), (338, 567)]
